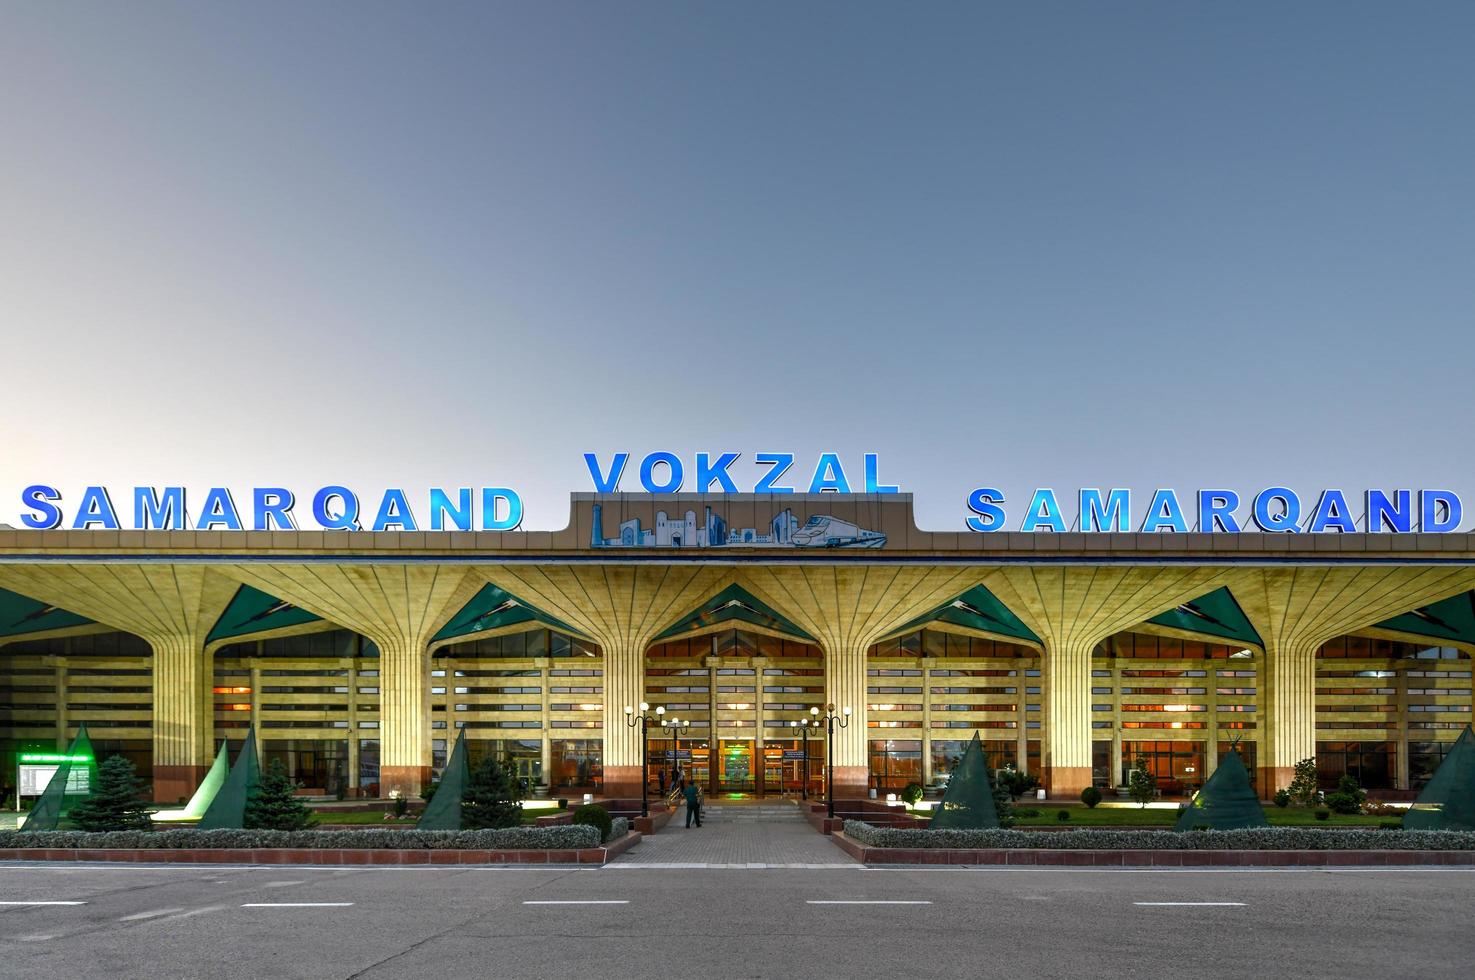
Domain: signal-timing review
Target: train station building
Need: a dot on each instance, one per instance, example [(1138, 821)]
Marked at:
[(358, 656)]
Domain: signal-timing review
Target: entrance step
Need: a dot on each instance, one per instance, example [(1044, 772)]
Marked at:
[(753, 812)]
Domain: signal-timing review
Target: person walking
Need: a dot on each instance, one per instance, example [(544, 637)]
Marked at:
[(693, 794)]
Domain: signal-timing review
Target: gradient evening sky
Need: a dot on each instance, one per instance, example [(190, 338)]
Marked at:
[(1017, 245)]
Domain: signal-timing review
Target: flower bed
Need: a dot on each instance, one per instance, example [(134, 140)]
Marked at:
[(567, 837), (1267, 839)]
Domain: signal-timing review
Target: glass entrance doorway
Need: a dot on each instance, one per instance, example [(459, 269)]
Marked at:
[(736, 772)]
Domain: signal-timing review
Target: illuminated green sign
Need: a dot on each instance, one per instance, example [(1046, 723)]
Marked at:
[(33, 757)]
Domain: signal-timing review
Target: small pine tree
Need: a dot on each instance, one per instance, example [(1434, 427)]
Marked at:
[(491, 797), (1003, 801), (1304, 791), (116, 805), (1141, 783), (274, 806)]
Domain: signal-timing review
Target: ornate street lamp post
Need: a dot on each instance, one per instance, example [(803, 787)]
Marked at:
[(675, 726), (804, 725), (643, 720), (831, 720)]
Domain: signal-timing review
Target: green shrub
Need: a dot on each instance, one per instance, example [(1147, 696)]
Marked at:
[(274, 805), (1016, 783), (911, 794), (1026, 811), (1111, 839), (1323, 814), (1282, 798), (1390, 824), (1062, 815), (116, 805), (427, 792), (562, 803), (594, 815), (1090, 796), (1141, 783), (1348, 798), (490, 798), (1304, 791)]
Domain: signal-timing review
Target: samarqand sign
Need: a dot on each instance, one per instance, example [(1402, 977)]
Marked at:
[(337, 507)]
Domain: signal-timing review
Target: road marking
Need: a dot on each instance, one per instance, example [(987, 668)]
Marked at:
[(43, 903), (280, 884), (588, 901), (148, 915), (296, 905), (857, 902), (1193, 904)]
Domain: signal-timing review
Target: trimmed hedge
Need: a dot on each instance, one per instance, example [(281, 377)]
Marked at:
[(619, 827), (559, 837), (1264, 839)]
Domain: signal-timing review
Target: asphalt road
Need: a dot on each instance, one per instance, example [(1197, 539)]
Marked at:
[(143, 922)]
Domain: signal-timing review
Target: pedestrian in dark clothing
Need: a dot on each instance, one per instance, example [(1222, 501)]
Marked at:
[(693, 796)]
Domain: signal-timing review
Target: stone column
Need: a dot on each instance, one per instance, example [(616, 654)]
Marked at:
[(404, 715), (545, 681), (714, 757), (1116, 758), (624, 684), (59, 678), (1400, 686), (1288, 711), (926, 723), (1211, 723), (760, 763), (845, 686), (1066, 674), (183, 727)]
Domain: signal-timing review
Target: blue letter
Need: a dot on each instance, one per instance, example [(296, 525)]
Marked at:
[(348, 520), (489, 498), (985, 503), (1331, 509), (220, 508), (1172, 519), (706, 472), (149, 511), (1429, 501), (96, 508), (873, 464), (780, 463), (829, 475), (440, 506), (1051, 517), (611, 483), (1288, 521), (675, 476), (1399, 516), (1217, 507), (394, 512), (36, 497), (1118, 507), (273, 504)]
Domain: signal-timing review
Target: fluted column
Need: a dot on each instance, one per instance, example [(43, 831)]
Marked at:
[(845, 687), (404, 714), (183, 726), (1066, 671), (1289, 706), (624, 684)]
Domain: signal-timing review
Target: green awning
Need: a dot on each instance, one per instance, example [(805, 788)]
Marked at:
[(253, 611), (976, 609), (734, 604), (20, 615), (1215, 614), (493, 608), (1448, 619)]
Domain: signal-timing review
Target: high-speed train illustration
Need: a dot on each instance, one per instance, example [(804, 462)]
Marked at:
[(824, 531)]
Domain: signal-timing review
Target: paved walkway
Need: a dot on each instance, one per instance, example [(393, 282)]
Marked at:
[(743, 836)]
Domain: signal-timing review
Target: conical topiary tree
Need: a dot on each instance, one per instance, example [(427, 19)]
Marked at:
[(228, 809), (274, 805), (1447, 801), (116, 803), (443, 812), (1227, 801), (968, 803), (491, 797), (73, 781)]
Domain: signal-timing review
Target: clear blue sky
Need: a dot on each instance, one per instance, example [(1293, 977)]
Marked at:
[(1019, 245)]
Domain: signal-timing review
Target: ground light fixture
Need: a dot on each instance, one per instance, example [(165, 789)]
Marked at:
[(831, 720), (642, 720)]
